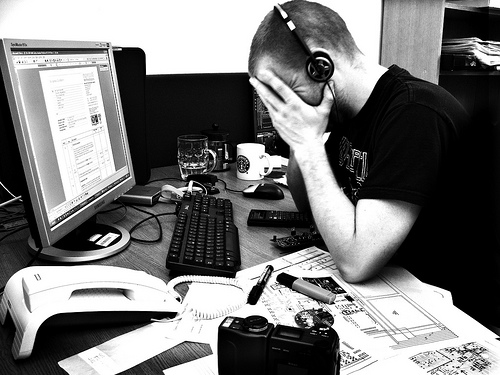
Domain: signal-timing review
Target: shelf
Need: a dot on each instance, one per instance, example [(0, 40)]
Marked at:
[(469, 21), (469, 73), (479, 10)]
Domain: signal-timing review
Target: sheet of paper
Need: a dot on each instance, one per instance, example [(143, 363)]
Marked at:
[(202, 366), (394, 311), (283, 305), (120, 353), (460, 357)]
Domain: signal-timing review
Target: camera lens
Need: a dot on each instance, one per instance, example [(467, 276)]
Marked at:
[(255, 323)]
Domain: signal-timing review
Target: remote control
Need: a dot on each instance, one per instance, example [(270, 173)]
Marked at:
[(273, 218)]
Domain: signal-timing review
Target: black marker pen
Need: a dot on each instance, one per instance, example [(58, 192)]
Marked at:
[(258, 288), (306, 288)]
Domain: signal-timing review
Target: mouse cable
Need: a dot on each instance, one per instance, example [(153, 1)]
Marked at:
[(228, 189)]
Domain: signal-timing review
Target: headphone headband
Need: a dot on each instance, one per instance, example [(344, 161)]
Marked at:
[(288, 21), (319, 65)]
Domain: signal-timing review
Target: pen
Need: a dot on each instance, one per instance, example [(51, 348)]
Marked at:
[(306, 288), (258, 288)]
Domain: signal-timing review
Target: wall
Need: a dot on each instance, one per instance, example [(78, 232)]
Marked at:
[(196, 36), (183, 41)]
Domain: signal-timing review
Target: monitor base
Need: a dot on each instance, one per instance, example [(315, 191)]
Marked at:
[(92, 242)]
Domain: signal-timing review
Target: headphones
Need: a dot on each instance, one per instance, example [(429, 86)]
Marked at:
[(319, 65), (171, 194)]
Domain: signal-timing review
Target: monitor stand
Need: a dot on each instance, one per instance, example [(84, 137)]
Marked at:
[(90, 241)]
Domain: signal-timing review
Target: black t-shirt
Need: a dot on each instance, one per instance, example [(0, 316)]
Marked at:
[(413, 141)]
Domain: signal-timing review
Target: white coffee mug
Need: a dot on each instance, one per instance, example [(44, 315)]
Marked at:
[(252, 161)]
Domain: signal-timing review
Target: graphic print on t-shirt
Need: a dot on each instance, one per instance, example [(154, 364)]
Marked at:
[(355, 162)]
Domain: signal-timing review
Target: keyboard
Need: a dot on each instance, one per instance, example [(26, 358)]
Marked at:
[(205, 240)]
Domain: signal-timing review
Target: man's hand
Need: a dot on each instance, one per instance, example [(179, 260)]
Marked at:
[(298, 123)]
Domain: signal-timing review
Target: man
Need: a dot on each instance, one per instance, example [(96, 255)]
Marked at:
[(392, 182)]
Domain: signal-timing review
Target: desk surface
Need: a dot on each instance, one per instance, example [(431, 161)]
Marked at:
[(55, 344)]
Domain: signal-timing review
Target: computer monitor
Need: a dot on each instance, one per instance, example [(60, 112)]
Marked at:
[(68, 126)]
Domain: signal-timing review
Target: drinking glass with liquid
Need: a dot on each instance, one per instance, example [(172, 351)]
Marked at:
[(194, 156)]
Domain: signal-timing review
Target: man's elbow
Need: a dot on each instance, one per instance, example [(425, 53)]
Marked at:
[(355, 274)]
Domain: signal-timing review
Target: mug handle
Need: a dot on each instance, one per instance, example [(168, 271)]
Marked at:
[(270, 169), (214, 156)]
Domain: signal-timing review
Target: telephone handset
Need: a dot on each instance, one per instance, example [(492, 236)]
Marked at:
[(34, 294)]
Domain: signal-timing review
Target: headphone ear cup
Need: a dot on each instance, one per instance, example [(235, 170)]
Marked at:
[(321, 68)]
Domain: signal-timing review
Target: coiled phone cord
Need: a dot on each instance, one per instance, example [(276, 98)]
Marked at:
[(204, 312)]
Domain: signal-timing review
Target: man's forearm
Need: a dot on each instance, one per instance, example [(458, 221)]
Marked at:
[(325, 197), (361, 238), (334, 213)]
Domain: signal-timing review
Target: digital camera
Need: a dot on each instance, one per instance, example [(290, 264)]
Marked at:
[(254, 346)]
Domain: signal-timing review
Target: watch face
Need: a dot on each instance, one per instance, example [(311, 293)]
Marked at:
[(314, 318), (243, 164)]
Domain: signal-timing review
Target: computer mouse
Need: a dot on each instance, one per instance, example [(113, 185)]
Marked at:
[(264, 191)]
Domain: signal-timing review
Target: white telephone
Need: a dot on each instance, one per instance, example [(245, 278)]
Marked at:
[(34, 294)]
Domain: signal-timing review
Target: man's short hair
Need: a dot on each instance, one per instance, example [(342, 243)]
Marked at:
[(317, 24)]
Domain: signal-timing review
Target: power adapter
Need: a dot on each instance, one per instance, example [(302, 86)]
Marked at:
[(141, 195)]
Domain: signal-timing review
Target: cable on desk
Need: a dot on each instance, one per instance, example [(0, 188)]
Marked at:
[(165, 178), (152, 216), (8, 191), (228, 189), (18, 198), (120, 205)]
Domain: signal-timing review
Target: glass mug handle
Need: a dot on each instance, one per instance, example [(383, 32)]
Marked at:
[(212, 165), (270, 169)]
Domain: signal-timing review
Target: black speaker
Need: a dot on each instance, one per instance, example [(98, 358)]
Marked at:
[(130, 65)]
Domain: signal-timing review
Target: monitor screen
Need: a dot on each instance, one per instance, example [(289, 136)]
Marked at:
[(66, 113)]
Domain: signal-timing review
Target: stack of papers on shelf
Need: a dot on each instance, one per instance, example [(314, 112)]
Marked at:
[(477, 3), (474, 52)]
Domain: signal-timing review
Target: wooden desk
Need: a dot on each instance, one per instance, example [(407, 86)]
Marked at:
[(55, 344)]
